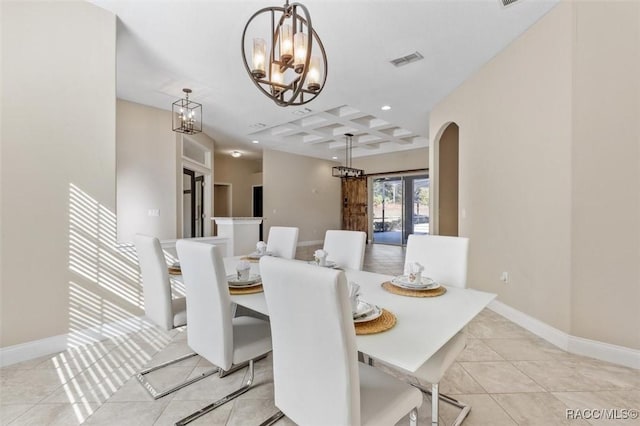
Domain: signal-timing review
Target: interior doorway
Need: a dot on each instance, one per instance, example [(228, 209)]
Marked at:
[(400, 208), (256, 205), (448, 160), (192, 203), (222, 200)]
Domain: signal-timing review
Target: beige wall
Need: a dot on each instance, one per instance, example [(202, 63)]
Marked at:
[(605, 198), (300, 191), (256, 178), (149, 172), (549, 172), (146, 171), (241, 174), (58, 165), (395, 161), (514, 118)]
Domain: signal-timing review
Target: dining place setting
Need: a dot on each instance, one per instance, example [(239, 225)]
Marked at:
[(261, 250), (368, 318), (413, 283), (320, 258), (244, 281)]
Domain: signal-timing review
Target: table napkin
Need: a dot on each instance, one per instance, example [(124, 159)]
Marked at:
[(354, 295), (243, 269), (321, 257), (261, 247), (413, 268)]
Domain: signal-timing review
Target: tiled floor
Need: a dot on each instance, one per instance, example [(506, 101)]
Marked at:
[(508, 375)]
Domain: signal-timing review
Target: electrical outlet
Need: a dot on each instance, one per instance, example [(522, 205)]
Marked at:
[(153, 212), (505, 277)]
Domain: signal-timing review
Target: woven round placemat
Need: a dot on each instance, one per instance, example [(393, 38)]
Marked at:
[(250, 259), (387, 285), (174, 271), (248, 290), (384, 322)]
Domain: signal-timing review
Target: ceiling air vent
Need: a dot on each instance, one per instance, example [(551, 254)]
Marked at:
[(508, 2), (413, 57)]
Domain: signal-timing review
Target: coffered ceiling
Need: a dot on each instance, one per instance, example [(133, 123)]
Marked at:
[(164, 46), (321, 134)]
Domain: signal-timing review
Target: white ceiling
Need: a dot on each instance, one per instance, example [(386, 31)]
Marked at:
[(164, 46)]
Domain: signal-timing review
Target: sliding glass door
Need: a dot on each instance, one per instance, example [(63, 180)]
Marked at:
[(400, 208), (388, 207)]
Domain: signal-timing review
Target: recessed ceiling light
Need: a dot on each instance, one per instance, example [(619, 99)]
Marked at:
[(255, 141), (385, 107), (236, 154), (334, 158)]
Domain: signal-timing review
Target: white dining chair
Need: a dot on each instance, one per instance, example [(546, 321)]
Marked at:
[(226, 342), (156, 287), (445, 261), (159, 307), (282, 241), (317, 378), (346, 248)]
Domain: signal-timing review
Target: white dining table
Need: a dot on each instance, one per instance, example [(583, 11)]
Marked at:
[(424, 325)]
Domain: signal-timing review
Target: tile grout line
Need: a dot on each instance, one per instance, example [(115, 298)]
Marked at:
[(503, 409)]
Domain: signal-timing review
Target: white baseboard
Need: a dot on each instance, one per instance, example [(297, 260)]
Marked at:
[(605, 351), (592, 348), (537, 327), (309, 243), (34, 349), (50, 345)]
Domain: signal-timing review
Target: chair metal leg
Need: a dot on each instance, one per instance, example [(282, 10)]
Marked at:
[(234, 368), (221, 401), (413, 417), (273, 419), (465, 408), (156, 394), (434, 404)]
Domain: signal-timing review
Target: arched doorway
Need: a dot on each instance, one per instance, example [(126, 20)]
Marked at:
[(447, 151)]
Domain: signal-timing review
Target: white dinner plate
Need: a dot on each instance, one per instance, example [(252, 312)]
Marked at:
[(329, 264), (403, 282), (253, 281), (372, 312)]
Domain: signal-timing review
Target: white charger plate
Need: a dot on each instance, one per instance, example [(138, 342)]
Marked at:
[(366, 312), (253, 281), (403, 282)]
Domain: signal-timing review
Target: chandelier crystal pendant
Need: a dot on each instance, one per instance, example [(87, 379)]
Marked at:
[(290, 64), (347, 171), (187, 115)]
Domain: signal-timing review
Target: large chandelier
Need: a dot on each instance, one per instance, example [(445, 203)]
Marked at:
[(187, 115), (347, 171), (290, 65)]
